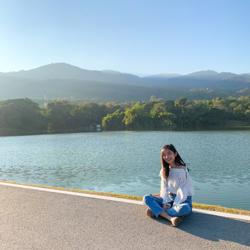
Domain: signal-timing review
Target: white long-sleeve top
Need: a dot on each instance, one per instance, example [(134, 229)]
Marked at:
[(178, 182)]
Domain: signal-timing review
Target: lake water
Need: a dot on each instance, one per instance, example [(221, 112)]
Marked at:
[(129, 162)]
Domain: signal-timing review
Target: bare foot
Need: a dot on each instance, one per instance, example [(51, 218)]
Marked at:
[(176, 221)]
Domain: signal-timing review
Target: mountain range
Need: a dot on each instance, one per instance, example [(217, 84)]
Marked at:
[(61, 80)]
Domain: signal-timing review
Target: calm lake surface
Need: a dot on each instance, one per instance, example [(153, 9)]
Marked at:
[(128, 162)]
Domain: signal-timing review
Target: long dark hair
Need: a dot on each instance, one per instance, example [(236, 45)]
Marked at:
[(165, 165)]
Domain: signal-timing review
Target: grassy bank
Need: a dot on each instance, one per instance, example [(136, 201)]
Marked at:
[(138, 198)]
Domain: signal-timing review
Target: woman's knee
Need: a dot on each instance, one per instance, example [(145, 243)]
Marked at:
[(146, 198), (185, 210)]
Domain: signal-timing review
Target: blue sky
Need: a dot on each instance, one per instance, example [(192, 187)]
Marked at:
[(141, 37)]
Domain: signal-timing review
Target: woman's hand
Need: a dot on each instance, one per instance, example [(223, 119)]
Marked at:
[(166, 206)]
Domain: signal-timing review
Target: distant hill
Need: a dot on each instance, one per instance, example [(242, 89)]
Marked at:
[(61, 80), (67, 71)]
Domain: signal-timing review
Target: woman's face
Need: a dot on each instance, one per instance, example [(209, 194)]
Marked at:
[(168, 156)]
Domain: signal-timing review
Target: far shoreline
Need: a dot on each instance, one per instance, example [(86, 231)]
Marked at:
[(246, 128)]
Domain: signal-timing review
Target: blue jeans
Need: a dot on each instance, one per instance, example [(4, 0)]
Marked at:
[(155, 204)]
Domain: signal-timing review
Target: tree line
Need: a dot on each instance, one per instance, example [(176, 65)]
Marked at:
[(24, 116)]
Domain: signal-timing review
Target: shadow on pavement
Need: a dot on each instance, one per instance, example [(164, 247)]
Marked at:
[(215, 228)]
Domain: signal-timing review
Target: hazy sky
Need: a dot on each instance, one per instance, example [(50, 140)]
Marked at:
[(146, 37)]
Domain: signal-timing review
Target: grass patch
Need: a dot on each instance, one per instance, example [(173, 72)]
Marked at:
[(216, 208)]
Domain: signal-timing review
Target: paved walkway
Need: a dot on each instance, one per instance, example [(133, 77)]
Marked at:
[(33, 219)]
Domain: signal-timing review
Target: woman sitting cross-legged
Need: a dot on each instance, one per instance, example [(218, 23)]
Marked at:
[(175, 199)]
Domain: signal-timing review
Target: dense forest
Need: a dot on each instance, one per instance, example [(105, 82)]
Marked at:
[(24, 116)]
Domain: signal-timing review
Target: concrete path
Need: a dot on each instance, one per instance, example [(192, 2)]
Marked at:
[(35, 219)]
